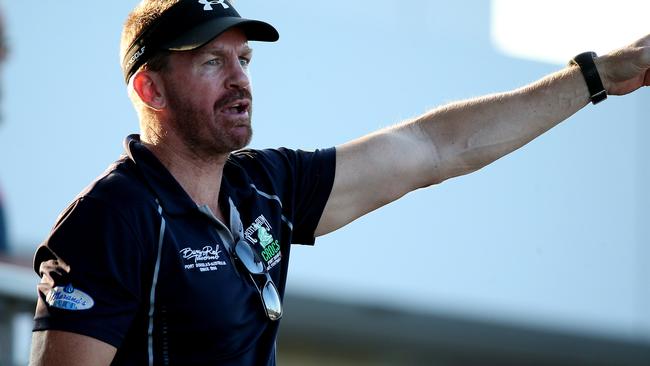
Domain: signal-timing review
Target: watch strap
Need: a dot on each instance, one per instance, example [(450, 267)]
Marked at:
[(585, 61)]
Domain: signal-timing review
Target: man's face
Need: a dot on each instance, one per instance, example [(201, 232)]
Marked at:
[(209, 95)]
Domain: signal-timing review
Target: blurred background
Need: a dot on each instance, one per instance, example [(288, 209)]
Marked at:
[(542, 258)]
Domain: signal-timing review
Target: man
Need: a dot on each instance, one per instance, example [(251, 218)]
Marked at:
[(178, 254)]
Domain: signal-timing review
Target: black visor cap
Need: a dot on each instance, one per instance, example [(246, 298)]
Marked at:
[(204, 33), (188, 25)]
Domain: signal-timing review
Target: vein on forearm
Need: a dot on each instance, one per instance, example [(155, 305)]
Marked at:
[(471, 134)]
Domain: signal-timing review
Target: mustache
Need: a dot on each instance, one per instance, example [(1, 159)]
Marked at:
[(232, 96)]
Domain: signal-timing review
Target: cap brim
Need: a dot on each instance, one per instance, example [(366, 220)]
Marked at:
[(198, 36)]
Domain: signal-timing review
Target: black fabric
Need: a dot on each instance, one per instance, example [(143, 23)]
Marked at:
[(585, 61), (205, 311)]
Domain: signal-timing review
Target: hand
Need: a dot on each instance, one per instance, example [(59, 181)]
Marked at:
[(626, 69)]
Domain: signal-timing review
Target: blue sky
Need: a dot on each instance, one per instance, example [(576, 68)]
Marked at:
[(553, 235)]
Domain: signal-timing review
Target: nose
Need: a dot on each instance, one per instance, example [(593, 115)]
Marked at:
[(237, 76)]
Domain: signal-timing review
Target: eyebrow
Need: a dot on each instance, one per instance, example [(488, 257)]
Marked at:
[(247, 49), (218, 50)]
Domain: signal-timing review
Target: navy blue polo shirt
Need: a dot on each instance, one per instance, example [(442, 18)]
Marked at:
[(135, 263)]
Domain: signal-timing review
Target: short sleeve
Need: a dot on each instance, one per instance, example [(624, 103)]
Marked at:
[(313, 176), (91, 267), (302, 180)]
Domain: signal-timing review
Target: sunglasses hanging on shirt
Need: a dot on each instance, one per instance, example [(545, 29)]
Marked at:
[(250, 259)]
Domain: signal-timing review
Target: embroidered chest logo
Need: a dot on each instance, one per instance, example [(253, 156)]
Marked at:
[(207, 4), (205, 259), (260, 232)]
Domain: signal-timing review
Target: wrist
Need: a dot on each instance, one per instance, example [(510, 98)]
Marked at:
[(600, 62), (587, 63)]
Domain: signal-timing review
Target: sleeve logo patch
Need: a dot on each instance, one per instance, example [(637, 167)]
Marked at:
[(69, 298)]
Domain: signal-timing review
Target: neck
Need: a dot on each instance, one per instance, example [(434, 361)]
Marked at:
[(200, 177)]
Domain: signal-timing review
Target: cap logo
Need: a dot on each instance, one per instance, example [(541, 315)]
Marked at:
[(208, 4), (136, 56)]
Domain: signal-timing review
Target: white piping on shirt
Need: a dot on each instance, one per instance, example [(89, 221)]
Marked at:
[(274, 198), (266, 195), (152, 294)]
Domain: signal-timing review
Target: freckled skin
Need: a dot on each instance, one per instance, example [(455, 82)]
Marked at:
[(198, 88)]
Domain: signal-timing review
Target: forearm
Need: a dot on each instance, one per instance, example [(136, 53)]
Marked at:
[(462, 137), (469, 135)]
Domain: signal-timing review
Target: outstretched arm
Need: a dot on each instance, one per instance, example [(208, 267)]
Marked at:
[(463, 137)]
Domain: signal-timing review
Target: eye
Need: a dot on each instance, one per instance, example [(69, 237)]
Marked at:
[(214, 61), (244, 62)]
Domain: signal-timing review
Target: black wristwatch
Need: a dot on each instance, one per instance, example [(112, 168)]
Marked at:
[(588, 68)]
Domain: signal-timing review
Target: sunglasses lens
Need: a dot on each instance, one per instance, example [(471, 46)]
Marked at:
[(248, 257), (271, 300), (254, 265)]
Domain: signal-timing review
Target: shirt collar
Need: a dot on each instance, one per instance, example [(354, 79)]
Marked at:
[(171, 196)]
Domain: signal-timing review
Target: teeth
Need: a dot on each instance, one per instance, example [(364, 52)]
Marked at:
[(237, 108)]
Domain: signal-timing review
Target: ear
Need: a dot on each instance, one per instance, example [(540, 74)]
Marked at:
[(149, 88)]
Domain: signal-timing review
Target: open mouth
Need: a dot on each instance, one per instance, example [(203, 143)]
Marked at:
[(238, 107)]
